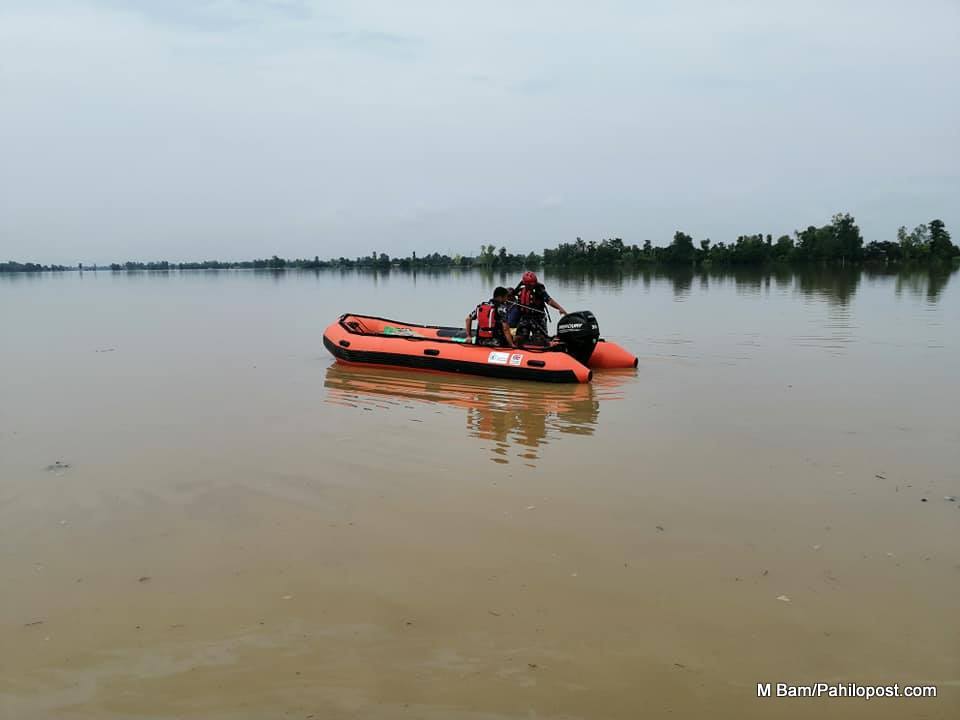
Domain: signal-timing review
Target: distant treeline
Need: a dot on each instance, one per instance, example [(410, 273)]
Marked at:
[(839, 242), (12, 267)]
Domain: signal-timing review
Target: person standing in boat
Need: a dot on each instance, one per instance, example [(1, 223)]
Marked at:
[(529, 301), (491, 317)]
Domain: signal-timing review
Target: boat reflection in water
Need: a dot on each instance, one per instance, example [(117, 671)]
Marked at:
[(506, 413)]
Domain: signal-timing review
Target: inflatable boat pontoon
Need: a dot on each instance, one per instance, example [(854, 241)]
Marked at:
[(571, 357)]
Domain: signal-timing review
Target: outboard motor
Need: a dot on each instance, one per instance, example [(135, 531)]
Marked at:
[(579, 332)]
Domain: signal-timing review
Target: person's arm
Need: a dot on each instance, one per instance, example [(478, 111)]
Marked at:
[(554, 304), (468, 326), (508, 335)]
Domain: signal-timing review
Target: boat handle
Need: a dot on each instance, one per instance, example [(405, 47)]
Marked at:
[(431, 351), (345, 343), (536, 363)]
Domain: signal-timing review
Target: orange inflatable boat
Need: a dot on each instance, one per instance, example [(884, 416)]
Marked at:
[(571, 357)]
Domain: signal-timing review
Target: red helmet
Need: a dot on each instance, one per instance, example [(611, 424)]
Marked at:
[(529, 278)]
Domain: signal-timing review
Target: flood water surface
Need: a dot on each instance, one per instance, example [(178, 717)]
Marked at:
[(202, 516)]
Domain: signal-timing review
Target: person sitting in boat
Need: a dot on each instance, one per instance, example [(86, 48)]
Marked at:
[(491, 317), (530, 300)]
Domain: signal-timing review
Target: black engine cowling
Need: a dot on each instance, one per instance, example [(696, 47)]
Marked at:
[(579, 331)]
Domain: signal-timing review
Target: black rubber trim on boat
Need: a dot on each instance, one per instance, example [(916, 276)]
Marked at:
[(536, 363), (636, 361), (431, 351), (426, 362), (345, 343), (354, 328)]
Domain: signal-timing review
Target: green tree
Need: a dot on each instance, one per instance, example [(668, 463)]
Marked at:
[(681, 250), (940, 244), (783, 250), (703, 253), (848, 242), (914, 245), (486, 255)]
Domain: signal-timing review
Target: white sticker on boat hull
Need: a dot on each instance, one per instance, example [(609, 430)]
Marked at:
[(498, 358), (516, 359)]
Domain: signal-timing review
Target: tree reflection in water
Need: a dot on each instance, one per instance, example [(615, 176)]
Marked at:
[(836, 284)]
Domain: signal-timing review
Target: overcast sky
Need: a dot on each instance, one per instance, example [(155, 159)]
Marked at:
[(189, 129)]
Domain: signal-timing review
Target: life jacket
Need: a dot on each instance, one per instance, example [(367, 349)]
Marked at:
[(530, 296), (486, 321)]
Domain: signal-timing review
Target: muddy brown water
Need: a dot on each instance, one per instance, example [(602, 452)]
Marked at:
[(201, 516)]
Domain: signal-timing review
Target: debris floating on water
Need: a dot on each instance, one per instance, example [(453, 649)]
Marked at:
[(144, 578), (949, 498), (783, 598)]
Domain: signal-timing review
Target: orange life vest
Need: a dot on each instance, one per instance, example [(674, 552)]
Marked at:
[(486, 321), (530, 296)]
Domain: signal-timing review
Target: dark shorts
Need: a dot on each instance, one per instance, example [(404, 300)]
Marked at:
[(533, 329), (493, 342)]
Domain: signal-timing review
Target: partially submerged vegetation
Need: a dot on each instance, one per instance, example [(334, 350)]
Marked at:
[(837, 243), (15, 267)]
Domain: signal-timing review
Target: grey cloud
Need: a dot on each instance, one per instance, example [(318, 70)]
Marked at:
[(240, 128)]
